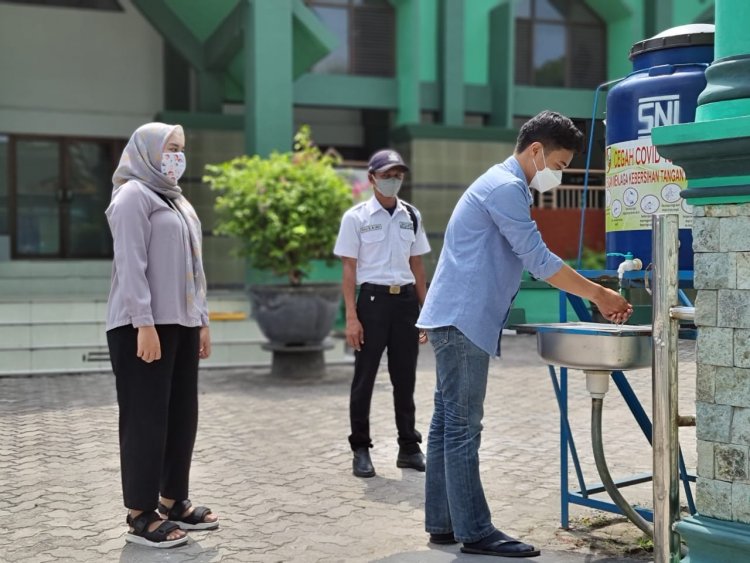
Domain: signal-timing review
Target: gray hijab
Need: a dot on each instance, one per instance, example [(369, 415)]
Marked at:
[(141, 162)]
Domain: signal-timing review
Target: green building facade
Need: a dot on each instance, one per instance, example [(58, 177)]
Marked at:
[(446, 82)]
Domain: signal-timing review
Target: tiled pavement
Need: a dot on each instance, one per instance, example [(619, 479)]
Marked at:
[(273, 461)]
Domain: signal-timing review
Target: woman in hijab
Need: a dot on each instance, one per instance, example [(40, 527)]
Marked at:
[(157, 329)]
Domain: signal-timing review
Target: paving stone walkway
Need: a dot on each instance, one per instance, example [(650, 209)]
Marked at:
[(272, 459)]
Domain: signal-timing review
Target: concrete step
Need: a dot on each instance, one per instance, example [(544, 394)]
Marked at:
[(35, 335), (70, 308), (59, 278), (55, 269), (66, 334), (95, 358), (77, 286)]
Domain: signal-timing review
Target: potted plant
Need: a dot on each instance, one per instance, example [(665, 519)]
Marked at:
[(285, 211)]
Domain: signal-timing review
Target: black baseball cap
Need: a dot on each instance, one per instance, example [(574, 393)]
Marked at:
[(385, 160)]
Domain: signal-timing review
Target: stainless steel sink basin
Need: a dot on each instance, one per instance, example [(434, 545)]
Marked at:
[(593, 346)]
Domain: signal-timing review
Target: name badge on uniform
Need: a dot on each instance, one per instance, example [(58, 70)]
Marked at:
[(368, 228), (406, 225)]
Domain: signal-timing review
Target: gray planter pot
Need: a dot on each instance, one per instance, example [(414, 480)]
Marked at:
[(295, 315)]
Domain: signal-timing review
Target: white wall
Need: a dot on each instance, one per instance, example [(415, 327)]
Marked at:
[(78, 72)]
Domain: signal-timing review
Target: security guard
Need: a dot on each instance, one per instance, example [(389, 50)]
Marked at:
[(381, 242)]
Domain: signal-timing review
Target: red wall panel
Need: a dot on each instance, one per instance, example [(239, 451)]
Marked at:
[(560, 229)]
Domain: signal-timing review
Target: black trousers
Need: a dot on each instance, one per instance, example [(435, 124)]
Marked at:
[(158, 413), (388, 322)]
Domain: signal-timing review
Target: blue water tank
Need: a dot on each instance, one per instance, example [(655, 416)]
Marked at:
[(668, 75)]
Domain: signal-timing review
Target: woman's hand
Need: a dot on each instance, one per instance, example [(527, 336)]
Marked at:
[(149, 347), (422, 336), (204, 349)]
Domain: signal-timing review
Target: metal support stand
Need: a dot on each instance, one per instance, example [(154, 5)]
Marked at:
[(583, 495)]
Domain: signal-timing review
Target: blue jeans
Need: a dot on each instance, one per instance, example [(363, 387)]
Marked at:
[(454, 498)]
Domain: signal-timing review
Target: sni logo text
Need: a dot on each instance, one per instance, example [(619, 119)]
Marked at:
[(656, 111)]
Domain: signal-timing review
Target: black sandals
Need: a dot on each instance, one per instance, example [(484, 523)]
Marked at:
[(156, 538), (196, 520)]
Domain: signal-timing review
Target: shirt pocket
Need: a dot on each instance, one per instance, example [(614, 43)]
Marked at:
[(407, 236), (373, 236)]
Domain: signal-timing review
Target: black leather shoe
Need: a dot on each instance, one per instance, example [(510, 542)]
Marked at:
[(362, 464), (411, 461)]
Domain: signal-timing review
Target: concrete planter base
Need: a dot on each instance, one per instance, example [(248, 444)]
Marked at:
[(298, 362)]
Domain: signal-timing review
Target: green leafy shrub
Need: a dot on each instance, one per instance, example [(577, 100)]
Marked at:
[(592, 259), (285, 209)]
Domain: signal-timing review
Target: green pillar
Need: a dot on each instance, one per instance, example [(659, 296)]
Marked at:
[(269, 100), (451, 45), (407, 61), (501, 59), (731, 19), (176, 80), (713, 150), (210, 91), (728, 91)]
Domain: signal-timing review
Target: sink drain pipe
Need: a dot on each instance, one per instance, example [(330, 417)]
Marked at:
[(601, 466), (597, 384)]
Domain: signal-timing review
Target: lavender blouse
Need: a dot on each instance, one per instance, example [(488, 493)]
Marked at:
[(149, 268)]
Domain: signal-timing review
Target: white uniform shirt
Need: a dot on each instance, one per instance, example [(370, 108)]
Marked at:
[(382, 243)]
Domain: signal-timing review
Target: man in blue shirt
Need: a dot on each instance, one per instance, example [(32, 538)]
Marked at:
[(489, 241)]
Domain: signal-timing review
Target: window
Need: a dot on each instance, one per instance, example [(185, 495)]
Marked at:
[(110, 5), (559, 43), (366, 33), (58, 189)]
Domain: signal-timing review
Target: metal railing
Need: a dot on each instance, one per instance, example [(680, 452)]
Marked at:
[(570, 194)]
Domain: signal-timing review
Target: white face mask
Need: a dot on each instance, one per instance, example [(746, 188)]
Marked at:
[(173, 165), (389, 187), (546, 178)]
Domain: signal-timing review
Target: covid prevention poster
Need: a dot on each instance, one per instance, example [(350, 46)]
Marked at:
[(641, 183)]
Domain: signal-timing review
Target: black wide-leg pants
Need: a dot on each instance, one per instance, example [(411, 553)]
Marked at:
[(158, 413), (388, 322)]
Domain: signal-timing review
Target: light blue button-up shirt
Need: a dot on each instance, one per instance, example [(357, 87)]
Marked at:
[(489, 241)]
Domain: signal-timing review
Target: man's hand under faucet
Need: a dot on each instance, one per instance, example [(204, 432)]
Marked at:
[(611, 304)]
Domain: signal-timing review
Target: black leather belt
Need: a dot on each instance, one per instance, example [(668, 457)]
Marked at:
[(389, 289)]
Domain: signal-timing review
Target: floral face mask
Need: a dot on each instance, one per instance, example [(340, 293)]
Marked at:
[(173, 165)]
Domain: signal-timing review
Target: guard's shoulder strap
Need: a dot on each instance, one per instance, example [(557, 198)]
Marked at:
[(412, 214)]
